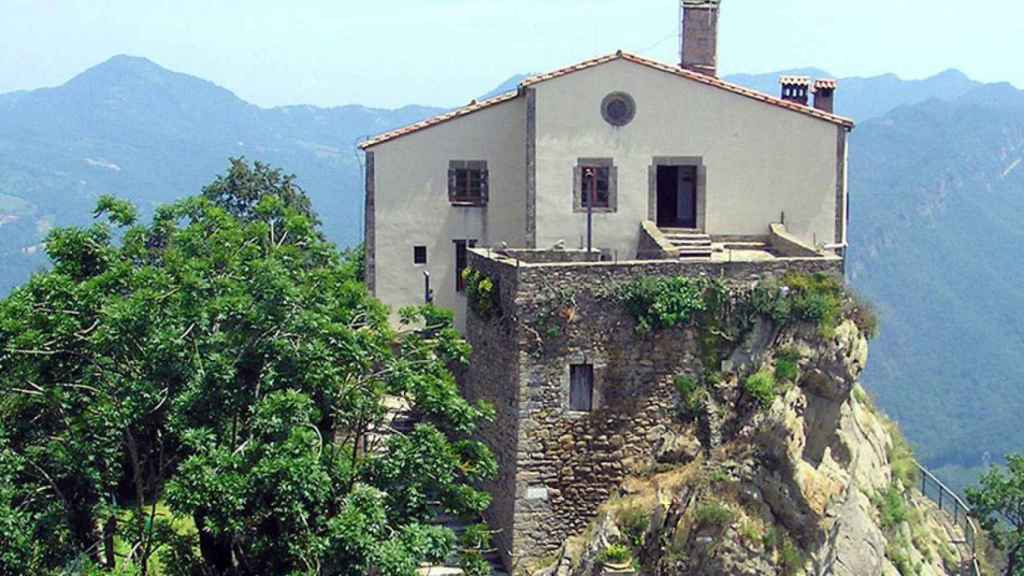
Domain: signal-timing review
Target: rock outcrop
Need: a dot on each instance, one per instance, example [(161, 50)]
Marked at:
[(802, 485)]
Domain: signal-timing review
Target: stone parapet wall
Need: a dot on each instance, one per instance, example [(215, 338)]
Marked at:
[(550, 256), (558, 467), (603, 273)]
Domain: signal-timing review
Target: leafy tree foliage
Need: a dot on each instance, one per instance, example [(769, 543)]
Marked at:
[(210, 392), (999, 502)]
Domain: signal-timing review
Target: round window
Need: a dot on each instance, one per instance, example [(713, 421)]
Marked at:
[(618, 109)]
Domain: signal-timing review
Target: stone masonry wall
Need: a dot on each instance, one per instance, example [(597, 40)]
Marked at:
[(558, 467), (492, 375)]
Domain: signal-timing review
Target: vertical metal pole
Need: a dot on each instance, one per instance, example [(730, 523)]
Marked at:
[(428, 294), (590, 209)]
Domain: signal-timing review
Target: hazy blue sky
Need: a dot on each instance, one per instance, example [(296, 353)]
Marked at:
[(443, 52)]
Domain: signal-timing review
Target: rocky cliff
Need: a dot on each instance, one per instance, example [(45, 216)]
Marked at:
[(812, 481)]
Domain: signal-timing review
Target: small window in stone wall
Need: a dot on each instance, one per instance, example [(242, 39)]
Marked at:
[(419, 255), (581, 387)]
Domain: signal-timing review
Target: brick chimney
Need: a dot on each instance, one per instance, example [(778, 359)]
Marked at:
[(824, 95), (699, 51), (795, 89)]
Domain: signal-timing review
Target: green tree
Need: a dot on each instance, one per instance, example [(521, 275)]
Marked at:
[(225, 361), (999, 502)]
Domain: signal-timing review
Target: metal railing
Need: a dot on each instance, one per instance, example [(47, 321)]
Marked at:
[(949, 502)]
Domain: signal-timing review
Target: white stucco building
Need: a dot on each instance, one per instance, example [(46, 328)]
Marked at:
[(681, 163)]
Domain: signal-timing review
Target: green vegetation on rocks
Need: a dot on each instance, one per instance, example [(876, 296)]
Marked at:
[(761, 387), (691, 395)]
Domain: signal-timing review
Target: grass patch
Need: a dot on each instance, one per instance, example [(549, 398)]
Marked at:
[(791, 558), (633, 522), (892, 507), (714, 515), (819, 298), (787, 365), (899, 452), (901, 455), (692, 396), (865, 316), (761, 387), (864, 399), (898, 552), (751, 532)]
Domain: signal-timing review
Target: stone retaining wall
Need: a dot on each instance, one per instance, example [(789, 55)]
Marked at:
[(557, 466)]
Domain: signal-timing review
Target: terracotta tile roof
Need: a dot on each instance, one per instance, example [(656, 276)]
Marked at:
[(473, 106), (826, 84), (675, 70)]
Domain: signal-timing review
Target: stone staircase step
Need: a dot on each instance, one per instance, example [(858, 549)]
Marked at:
[(689, 242)]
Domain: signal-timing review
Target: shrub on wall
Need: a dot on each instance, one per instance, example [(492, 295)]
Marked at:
[(818, 298), (691, 395), (615, 554), (787, 367), (662, 303), (761, 387), (714, 515), (482, 294)]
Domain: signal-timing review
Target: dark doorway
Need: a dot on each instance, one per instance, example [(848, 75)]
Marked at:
[(677, 196)]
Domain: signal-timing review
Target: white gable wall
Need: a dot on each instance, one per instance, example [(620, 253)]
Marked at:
[(412, 207), (760, 159)]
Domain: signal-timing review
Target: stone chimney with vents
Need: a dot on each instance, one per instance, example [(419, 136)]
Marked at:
[(796, 89), (824, 95), (699, 51)]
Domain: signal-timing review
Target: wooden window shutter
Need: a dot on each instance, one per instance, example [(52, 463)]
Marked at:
[(452, 182), (581, 387), (484, 184)]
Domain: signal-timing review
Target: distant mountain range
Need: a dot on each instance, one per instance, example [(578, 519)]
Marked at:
[(866, 98), (936, 183), (131, 128)]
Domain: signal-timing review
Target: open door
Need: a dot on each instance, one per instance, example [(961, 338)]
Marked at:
[(677, 196)]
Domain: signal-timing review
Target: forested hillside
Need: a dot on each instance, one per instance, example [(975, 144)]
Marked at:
[(937, 193), (133, 129)]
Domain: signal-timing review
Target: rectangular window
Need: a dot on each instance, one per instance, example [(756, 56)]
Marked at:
[(595, 177), (461, 258), (419, 255), (581, 387), (468, 182), (602, 177)]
